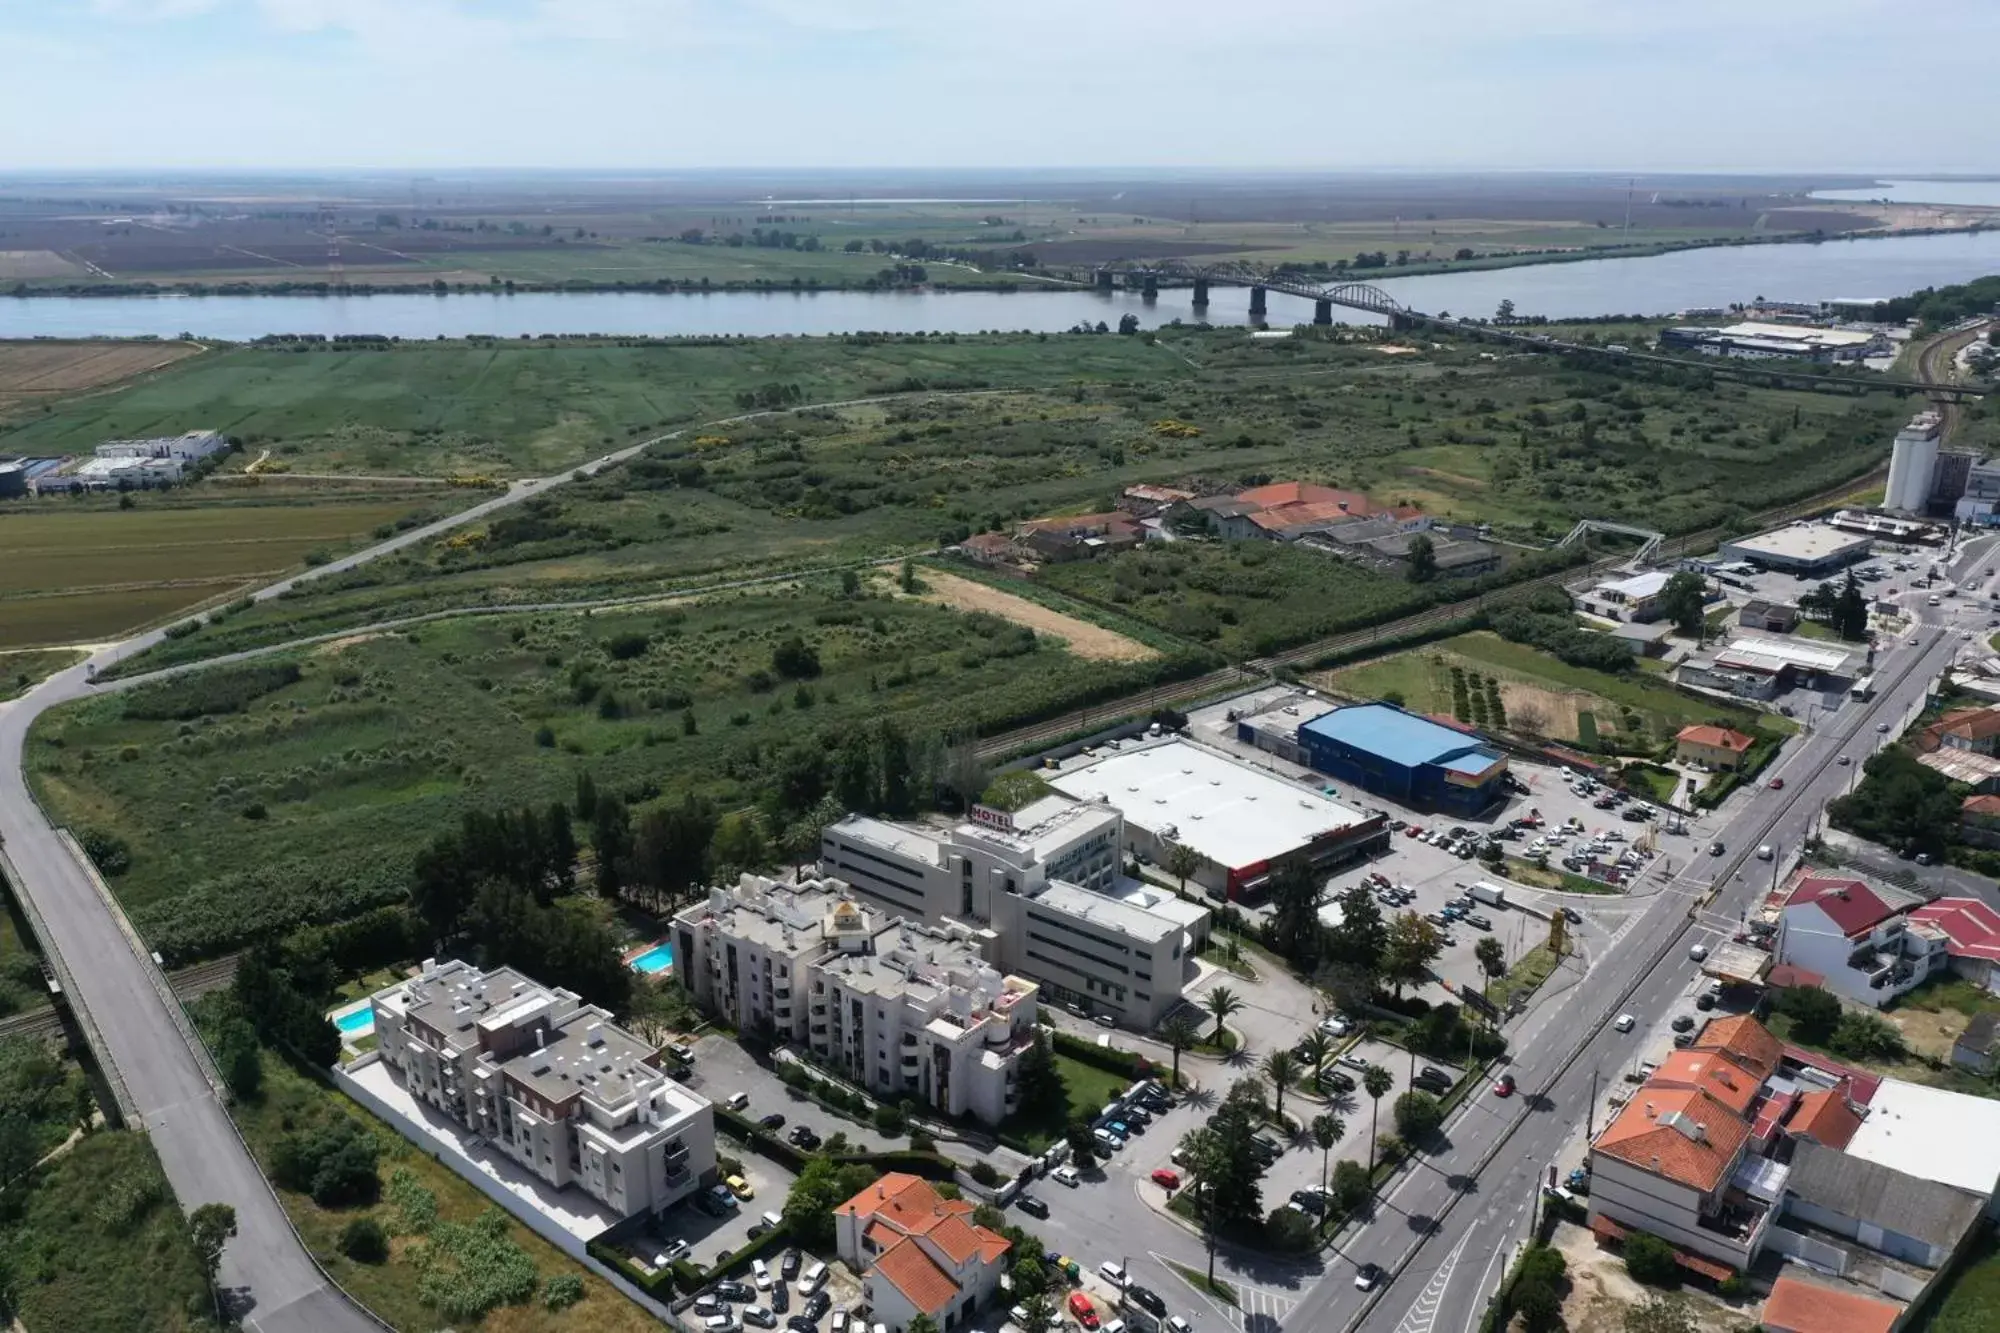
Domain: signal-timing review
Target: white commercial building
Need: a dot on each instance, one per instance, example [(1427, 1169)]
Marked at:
[(1043, 885), (549, 1081), (1635, 599), (1805, 549), (189, 447), (902, 1008), (1243, 822), (1913, 464), (1933, 1134)]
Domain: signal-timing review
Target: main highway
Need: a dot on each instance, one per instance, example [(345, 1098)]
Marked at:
[(1445, 1231)]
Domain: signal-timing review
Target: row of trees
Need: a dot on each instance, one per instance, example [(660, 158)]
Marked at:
[(1844, 610)]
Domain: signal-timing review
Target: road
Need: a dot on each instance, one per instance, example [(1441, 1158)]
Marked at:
[(1447, 1229)]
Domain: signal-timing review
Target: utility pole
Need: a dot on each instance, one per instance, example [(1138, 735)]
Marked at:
[(1590, 1111)]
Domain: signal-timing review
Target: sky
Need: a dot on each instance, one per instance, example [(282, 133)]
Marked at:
[(1880, 86)]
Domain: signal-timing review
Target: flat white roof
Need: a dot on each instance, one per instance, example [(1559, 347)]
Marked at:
[(1648, 584), (1775, 654), (1102, 909), (1232, 814), (1932, 1134), (1805, 333), (1800, 541)]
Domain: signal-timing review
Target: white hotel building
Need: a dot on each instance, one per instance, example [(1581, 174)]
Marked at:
[(549, 1081), (901, 1008), (1043, 888)]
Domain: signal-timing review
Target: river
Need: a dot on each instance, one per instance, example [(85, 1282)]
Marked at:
[(1659, 284)]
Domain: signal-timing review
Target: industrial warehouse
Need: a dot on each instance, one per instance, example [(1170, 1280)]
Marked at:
[(1380, 748)]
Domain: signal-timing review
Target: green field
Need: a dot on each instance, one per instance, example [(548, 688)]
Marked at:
[(1520, 443), (434, 409), (1637, 704), (309, 804), (1970, 1302), (80, 573)]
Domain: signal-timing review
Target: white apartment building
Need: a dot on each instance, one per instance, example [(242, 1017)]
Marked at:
[(549, 1081), (1867, 949), (902, 1008), (1044, 884)]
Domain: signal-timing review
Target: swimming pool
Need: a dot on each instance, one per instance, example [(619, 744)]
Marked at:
[(656, 959), (356, 1021)]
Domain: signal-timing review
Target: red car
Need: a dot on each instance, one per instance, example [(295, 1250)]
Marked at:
[(1777, 784), (1504, 1087), (1412, 831), (1085, 1312), (1166, 1179)]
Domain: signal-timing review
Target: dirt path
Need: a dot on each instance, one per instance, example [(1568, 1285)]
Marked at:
[(1080, 636)]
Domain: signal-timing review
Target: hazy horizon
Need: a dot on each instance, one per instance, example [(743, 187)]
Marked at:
[(1788, 87)]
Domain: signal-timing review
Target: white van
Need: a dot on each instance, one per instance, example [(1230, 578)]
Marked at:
[(1112, 1273), (811, 1280)]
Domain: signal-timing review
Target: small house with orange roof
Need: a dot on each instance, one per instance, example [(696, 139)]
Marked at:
[(1665, 1165), (1744, 1040), (918, 1252), (1798, 1305), (1711, 746)]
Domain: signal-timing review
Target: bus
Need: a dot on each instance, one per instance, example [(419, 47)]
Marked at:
[(1863, 690)]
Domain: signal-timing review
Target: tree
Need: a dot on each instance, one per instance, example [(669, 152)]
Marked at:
[(209, 1228), (1041, 1312), (1082, 1145), (1505, 312), (364, 1241), (1362, 937), (1182, 861), (1295, 930), (1850, 610), (1179, 1032), (1128, 324), (1900, 803), (920, 1323), (1222, 1003), (1650, 1260), (1280, 1067), (1540, 1281), (819, 1189), (1038, 1079), (1414, 945), (1492, 955), (1423, 559), (240, 1060), (1314, 1053), (611, 841), (1350, 1184), (1327, 1130), (1418, 1115), (1660, 1314), (1684, 600), (1376, 1082), (1814, 1013)]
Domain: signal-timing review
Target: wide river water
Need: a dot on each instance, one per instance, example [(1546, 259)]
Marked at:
[(1658, 285)]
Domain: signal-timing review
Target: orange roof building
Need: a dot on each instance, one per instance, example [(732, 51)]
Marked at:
[(1713, 1073), (1744, 1040), (1721, 738), (1680, 1134), (1825, 1117), (918, 1252), (1807, 1307)]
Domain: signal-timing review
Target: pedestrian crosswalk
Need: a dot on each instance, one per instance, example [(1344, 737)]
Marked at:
[(1261, 1308), (1255, 1308)]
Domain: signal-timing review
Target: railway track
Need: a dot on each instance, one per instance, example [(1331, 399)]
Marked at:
[(188, 983), (1936, 363)]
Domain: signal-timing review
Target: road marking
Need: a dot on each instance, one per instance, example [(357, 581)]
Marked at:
[(1423, 1312)]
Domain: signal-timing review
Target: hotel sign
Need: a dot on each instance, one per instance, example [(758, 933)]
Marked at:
[(987, 815)]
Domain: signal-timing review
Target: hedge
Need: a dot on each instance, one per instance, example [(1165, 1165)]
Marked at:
[(1127, 1063), (929, 1165)]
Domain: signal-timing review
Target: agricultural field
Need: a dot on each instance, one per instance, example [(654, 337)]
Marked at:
[(503, 408), (1057, 424), (83, 572), (37, 373), (251, 801), (1539, 694)]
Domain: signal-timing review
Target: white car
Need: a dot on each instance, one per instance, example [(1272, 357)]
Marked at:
[(1625, 1023), (1698, 952), (761, 1273), (1176, 1324), (1066, 1175)]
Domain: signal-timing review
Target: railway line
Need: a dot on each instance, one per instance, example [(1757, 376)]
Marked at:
[(189, 982)]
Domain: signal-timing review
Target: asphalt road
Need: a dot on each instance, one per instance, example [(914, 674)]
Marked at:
[(1448, 1229)]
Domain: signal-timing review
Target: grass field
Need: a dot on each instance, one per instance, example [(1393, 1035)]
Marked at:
[(72, 574), (100, 1244), (1970, 1302), (427, 409), (37, 372), (20, 670), (1533, 683), (310, 804), (290, 1102)]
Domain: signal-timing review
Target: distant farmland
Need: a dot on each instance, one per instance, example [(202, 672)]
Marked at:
[(37, 371), (82, 576)]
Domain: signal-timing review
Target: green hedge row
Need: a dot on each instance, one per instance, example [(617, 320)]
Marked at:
[(1109, 1059)]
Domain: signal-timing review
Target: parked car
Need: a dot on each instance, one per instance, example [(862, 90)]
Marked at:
[(1082, 1309), (1146, 1299), (733, 1291), (1166, 1179), (739, 1187), (788, 1267), (1704, 1002), (804, 1137), (773, 1121), (817, 1305), (1683, 1023), (1031, 1205), (760, 1274), (1066, 1175)]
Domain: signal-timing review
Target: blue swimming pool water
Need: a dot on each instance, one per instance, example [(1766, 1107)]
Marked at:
[(360, 1020), (656, 959)]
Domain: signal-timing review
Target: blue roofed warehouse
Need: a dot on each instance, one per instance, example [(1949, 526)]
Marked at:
[(1410, 759)]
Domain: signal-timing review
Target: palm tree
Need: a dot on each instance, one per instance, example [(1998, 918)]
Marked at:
[(1182, 861), (1281, 1067), (1376, 1082), (1327, 1130), (1222, 1002), (1203, 1154), (1180, 1031), (1314, 1052)]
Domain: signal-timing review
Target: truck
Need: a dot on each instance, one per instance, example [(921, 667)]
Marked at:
[(1489, 893)]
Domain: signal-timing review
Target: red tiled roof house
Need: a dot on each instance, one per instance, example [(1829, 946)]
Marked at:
[(1867, 951), (918, 1252)]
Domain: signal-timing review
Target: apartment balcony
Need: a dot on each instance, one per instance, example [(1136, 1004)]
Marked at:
[(676, 1175), (676, 1151)]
